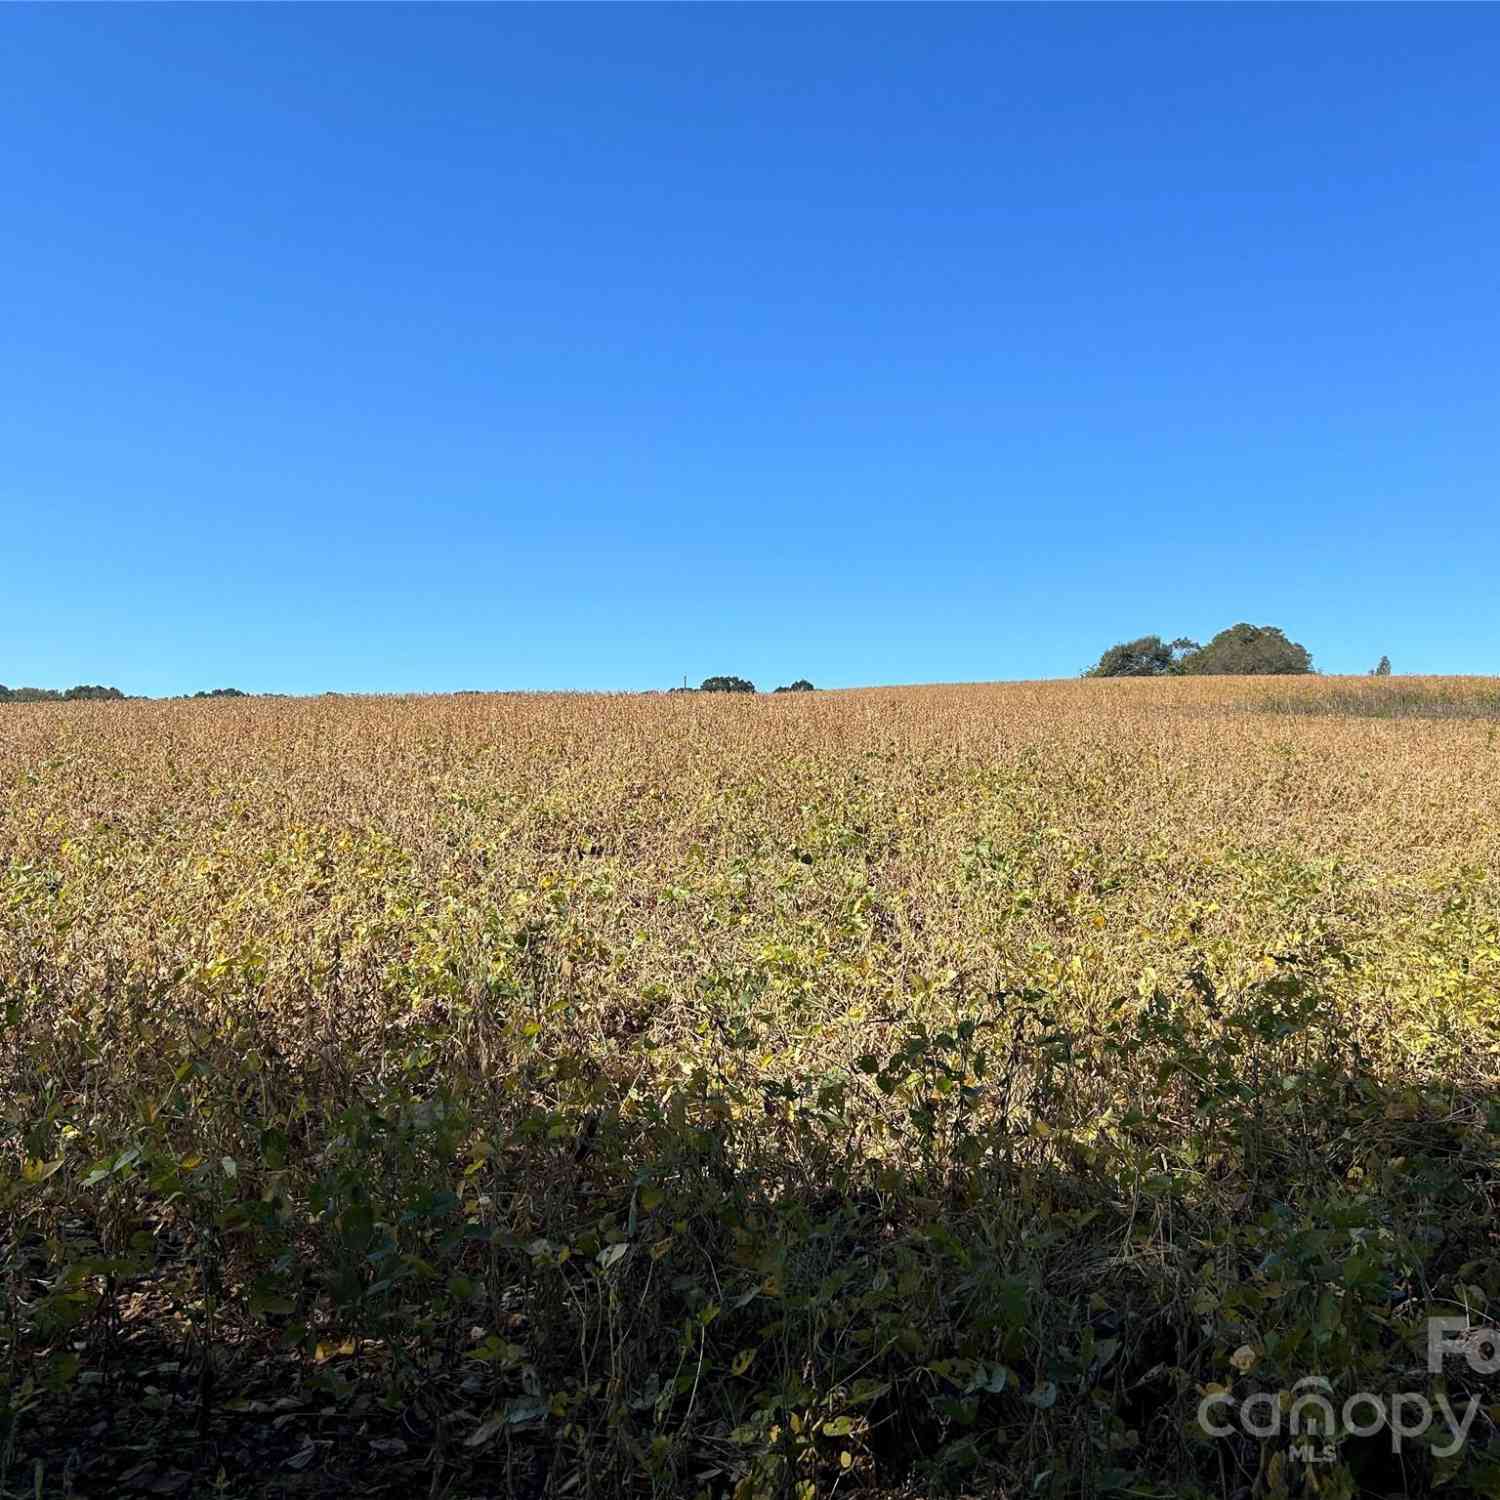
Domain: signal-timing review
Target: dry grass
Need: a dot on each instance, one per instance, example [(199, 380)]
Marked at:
[(585, 1092)]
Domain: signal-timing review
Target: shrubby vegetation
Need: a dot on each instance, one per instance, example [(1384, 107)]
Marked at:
[(1374, 697), (596, 1096), (801, 685), (1241, 650)]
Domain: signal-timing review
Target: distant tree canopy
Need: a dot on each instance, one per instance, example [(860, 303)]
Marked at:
[(1249, 651), (726, 685), (801, 685), (1242, 650), (1150, 656), (222, 693), (1382, 668), (52, 695)]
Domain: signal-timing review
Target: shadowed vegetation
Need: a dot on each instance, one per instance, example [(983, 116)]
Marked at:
[(1380, 696)]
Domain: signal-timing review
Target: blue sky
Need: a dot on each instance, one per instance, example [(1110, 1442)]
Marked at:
[(588, 347)]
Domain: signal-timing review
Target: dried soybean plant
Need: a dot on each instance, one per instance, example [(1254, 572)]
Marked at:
[(736, 1094)]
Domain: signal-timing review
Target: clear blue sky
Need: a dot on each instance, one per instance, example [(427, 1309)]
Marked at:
[(389, 348)]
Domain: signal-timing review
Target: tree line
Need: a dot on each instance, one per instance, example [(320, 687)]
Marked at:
[(84, 690), (742, 685), (1240, 651), (92, 691)]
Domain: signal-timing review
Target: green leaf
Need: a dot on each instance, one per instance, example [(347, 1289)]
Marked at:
[(273, 1148)]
